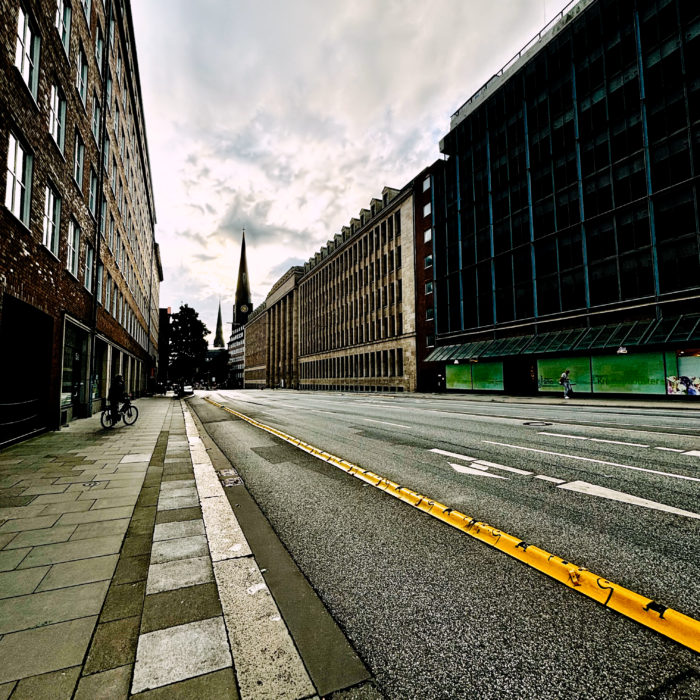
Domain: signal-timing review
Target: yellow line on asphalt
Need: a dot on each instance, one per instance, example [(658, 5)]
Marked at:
[(681, 628)]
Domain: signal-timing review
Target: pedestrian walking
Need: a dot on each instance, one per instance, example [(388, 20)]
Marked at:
[(564, 381), (116, 394)]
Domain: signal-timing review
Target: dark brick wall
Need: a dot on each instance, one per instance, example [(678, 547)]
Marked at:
[(28, 270), (427, 373)]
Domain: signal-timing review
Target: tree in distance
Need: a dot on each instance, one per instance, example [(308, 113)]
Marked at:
[(188, 347)]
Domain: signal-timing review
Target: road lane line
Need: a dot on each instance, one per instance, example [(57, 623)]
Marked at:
[(681, 628), (550, 478), (397, 425), (494, 465), (579, 437), (692, 453), (597, 461), (622, 497), (478, 472), (452, 454), (669, 449), (316, 410)]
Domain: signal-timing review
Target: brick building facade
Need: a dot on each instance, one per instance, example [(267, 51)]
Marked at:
[(79, 266)]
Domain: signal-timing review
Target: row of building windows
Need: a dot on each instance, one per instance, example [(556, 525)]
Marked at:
[(381, 363), (27, 61), (337, 300)]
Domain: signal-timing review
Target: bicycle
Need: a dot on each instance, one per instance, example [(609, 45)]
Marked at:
[(128, 413)]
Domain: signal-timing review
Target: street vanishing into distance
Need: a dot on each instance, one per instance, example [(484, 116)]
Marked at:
[(437, 614)]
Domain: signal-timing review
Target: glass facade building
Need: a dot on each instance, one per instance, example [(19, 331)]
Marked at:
[(568, 201)]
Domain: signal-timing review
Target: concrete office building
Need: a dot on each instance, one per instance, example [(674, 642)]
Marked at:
[(566, 217), (357, 303), (80, 270)]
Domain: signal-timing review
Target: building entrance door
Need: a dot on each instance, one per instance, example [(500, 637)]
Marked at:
[(520, 376), (26, 343), (75, 364)]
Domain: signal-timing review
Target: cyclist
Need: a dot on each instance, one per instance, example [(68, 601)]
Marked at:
[(117, 393)]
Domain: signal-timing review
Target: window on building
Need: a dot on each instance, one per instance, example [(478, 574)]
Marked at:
[(92, 200), (73, 248), (426, 184), (109, 89), (87, 4), (103, 216), (63, 17), (108, 293), (429, 313), (89, 262), (430, 341), (113, 177), (428, 261), (399, 324), (428, 209), (57, 116), (27, 52), (428, 287), (427, 235), (79, 161), (100, 280), (95, 123), (18, 192), (399, 362), (52, 219), (99, 48), (110, 238), (81, 75)]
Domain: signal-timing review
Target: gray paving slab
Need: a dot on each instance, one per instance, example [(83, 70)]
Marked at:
[(34, 538), (44, 649), (100, 529), (267, 662), (74, 573), (108, 685), (177, 502), (182, 491), (171, 531), (168, 486), (178, 574), (10, 559), (226, 539), (56, 498), (100, 494), (31, 511), (50, 607), (115, 502), (67, 507), (182, 548), (177, 653), (23, 582), (131, 458), (93, 516), (37, 523), (71, 551), (57, 685), (6, 690), (40, 490)]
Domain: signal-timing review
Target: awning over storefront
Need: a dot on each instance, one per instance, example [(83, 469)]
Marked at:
[(678, 330)]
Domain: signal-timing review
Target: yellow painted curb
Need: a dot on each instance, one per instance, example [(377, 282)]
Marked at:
[(671, 623)]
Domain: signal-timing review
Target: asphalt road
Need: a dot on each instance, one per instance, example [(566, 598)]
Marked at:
[(436, 614)]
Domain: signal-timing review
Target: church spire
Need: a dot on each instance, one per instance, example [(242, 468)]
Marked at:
[(219, 338), (242, 305)]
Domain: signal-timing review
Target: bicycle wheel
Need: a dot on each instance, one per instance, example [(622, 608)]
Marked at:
[(106, 419), (130, 415)]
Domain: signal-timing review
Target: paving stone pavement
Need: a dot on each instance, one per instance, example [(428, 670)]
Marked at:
[(125, 574)]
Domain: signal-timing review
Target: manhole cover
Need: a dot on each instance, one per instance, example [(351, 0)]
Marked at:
[(228, 472), (537, 423), (237, 481)]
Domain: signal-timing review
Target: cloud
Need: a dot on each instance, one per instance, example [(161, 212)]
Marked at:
[(287, 118)]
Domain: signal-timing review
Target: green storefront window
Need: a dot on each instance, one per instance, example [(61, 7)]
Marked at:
[(459, 376), (549, 371), (629, 374), (688, 378), (487, 376)]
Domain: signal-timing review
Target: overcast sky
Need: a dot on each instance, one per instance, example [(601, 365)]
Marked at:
[(285, 117)]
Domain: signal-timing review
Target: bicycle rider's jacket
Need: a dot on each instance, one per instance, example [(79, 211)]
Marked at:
[(116, 392)]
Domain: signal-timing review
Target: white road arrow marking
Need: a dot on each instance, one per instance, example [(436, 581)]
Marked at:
[(452, 454), (692, 453), (550, 478), (502, 467), (478, 472), (600, 491), (597, 461)]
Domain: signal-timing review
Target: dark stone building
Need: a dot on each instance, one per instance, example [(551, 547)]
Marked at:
[(79, 266), (566, 217)]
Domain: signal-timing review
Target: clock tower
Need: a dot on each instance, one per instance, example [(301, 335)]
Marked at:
[(243, 304)]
